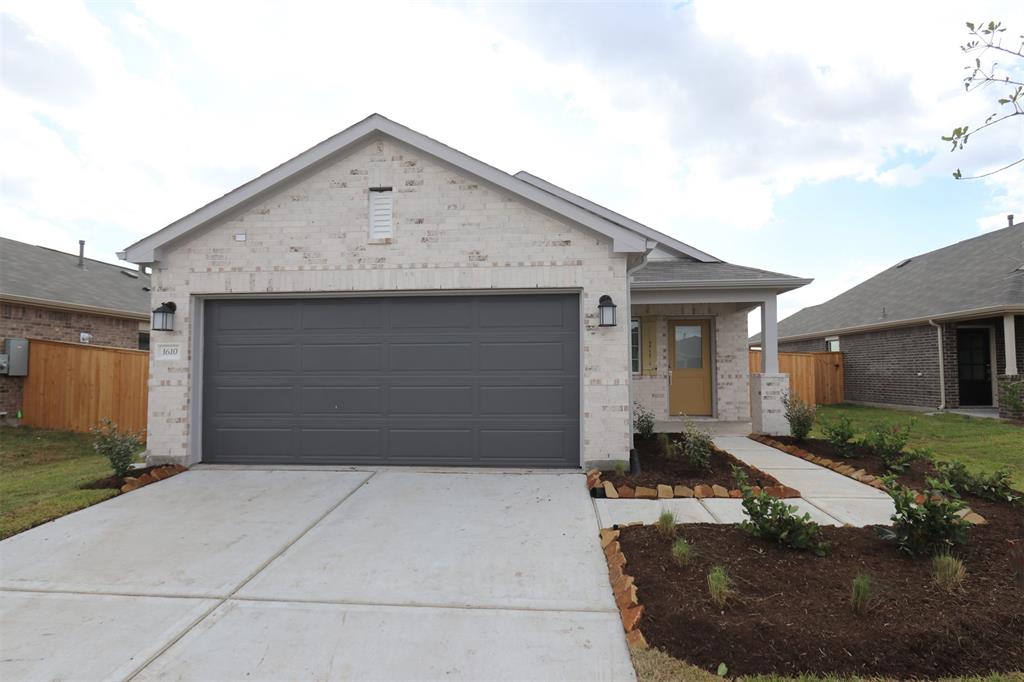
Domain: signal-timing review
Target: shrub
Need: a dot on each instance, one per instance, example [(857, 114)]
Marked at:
[(118, 447), (948, 572), (772, 519), (995, 486), (838, 433), (643, 421), (667, 524), (931, 527), (719, 586), (682, 552), (620, 467), (887, 443), (697, 448), (800, 416), (666, 445), (860, 593)]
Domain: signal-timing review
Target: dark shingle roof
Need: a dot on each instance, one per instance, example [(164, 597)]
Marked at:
[(39, 273), (687, 272), (972, 275)]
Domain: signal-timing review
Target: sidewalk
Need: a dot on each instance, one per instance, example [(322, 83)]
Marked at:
[(830, 498)]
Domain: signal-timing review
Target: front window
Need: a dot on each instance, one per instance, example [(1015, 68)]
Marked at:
[(634, 345)]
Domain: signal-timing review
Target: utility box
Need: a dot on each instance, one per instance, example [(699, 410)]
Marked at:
[(16, 351)]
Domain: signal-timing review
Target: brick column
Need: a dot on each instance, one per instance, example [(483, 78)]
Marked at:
[(767, 412), (1011, 396)]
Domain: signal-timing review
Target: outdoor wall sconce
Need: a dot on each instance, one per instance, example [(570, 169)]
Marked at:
[(163, 317), (606, 311)]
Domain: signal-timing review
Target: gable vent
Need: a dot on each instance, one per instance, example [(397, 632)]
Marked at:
[(381, 214), (903, 262)]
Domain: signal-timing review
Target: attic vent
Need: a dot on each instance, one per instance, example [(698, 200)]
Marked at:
[(127, 273), (903, 262), (381, 214)]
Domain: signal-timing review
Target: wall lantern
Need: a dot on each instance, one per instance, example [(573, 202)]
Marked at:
[(163, 317), (606, 311)]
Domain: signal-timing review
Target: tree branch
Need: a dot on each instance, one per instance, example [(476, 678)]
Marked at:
[(985, 175)]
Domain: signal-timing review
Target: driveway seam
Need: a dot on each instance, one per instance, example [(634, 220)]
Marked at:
[(223, 600), (418, 605)]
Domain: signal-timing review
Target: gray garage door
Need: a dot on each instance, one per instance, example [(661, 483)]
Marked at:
[(419, 380)]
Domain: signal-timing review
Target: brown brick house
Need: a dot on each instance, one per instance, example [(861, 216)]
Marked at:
[(944, 329), (57, 296)]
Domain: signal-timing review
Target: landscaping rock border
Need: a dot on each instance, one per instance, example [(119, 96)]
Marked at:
[(859, 475), (623, 588), (663, 491), (152, 476)]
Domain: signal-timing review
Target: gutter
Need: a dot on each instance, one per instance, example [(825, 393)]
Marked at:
[(765, 283), (74, 307), (942, 366)]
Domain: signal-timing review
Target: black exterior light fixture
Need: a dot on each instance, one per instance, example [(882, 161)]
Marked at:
[(606, 312), (163, 317)]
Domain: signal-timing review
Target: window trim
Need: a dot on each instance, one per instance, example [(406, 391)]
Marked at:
[(636, 362)]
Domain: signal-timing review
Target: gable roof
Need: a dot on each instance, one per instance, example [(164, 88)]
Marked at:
[(690, 274), (40, 276), (624, 239), (975, 277)]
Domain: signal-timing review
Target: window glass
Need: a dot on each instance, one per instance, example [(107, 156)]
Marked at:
[(688, 346), (832, 345), (634, 344), (143, 340)]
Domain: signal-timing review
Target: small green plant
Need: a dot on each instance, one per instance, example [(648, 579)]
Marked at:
[(643, 421), (932, 527), (838, 433), (860, 593), (120, 448), (948, 572), (723, 670), (995, 487), (887, 443), (682, 552), (620, 467), (697, 448), (667, 524), (666, 446), (800, 416), (772, 519), (719, 586)]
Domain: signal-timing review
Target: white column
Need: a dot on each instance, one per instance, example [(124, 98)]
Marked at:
[(769, 336), (1010, 344)]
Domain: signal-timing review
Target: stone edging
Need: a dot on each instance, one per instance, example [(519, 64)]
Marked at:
[(152, 476), (623, 588), (663, 491), (858, 475)]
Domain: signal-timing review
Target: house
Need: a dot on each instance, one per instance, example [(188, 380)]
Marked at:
[(940, 330), (56, 296), (383, 298)]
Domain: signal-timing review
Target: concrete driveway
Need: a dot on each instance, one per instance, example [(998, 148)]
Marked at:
[(288, 574)]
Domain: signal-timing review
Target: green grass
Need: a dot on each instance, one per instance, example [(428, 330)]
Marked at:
[(40, 475), (983, 445)]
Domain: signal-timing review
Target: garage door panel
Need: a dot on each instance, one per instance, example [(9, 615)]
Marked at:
[(483, 380)]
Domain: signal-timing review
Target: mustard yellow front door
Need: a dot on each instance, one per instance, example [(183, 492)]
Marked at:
[(689, 357)]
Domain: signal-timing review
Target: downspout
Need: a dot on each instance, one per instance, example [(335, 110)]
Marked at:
[(942, 366), (629, 309)]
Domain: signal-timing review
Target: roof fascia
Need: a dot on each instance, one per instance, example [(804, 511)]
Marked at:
[(972, 313)]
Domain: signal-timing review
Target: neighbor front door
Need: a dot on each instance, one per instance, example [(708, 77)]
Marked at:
[(974, 368), (689, 358)]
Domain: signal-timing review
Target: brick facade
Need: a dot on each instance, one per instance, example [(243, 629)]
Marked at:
[(900, 366), (730, 355), (451, 233), (33, 322)]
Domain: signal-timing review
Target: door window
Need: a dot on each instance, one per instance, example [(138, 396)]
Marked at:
[(688, 346)]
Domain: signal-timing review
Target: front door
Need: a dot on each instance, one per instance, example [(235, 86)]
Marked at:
[(974, 366), (689, 358)]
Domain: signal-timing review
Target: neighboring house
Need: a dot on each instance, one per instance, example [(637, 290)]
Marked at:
[(56, 296), (383, 298), (939, 330)]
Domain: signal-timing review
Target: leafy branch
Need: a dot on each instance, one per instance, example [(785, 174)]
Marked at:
[(985, 38)]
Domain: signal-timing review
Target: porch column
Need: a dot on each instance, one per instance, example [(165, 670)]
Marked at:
[(1010, 344), (769, 336)]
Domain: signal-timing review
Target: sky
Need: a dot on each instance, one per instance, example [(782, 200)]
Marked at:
[(798, 137)]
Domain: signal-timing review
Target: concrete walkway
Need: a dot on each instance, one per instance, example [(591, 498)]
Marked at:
[(269, 575), (830, 498)]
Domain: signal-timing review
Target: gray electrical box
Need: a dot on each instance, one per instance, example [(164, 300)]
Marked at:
[(17, 357)]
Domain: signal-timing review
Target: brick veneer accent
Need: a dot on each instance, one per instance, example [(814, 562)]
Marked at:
[(1007, 411), (34, 322), (452, 232)]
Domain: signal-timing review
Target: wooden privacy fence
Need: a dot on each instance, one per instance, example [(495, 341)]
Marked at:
[(72, 386), (815, 378)]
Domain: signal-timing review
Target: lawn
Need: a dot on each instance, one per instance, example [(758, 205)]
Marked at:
[(41, 473), (983, 445)]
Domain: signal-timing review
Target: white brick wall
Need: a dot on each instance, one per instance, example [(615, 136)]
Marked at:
[(452, 233), (732, 396)]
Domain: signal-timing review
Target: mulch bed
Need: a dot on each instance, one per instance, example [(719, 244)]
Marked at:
[(913, 476), (140, 477), (656, 468), (790, 612), (116, 481)]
